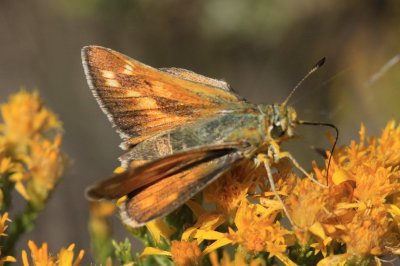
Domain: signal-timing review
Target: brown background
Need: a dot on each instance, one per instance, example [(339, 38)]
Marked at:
[(262, 48)]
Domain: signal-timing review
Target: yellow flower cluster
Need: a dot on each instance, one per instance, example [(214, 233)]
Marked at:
[(242, 217), (30, 140), (185, 253), (3, 228), (355, 220), (361, 209), (31, 162), (25, 117), (40, 256)]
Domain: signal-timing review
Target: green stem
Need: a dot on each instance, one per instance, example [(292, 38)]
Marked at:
[(100, 238), (6, 188)]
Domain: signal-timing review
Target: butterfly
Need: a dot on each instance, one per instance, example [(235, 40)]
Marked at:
[(181, 131)]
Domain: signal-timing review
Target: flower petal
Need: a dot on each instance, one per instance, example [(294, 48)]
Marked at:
[(208, 234), (159, 228), (217, 244), (340, 176), (317, 230), (154, 251)]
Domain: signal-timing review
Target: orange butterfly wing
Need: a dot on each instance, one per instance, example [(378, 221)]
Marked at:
[(179, 183), (137, 178), (161, 186), (142, 101)]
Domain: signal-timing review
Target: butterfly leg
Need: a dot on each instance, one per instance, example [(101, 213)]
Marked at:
[(275, 153), (263, 158), (281, 155)]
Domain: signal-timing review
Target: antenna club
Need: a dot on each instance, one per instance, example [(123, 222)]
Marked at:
[(316, 66), (320, 63)]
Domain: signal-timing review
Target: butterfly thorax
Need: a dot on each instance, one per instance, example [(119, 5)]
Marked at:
[(279, 121)]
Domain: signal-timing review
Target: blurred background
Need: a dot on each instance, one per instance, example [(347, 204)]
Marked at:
[(262, 48)]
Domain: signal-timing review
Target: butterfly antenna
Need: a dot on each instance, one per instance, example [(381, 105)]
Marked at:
[(334, 143), (319, 64)]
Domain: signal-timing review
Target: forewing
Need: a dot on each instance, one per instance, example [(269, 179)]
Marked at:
[(172, 191), (142, 101), (138, 178)]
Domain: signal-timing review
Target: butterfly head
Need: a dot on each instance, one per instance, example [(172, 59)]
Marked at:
[(280, 120)]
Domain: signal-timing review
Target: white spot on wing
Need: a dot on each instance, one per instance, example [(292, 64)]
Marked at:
[(108, 74), (146, 103), (113, 83), (133, 93), (128, 69)]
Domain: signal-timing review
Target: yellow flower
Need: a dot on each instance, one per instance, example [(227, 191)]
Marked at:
[(66, 256), (28, 152), (25, 116), (257, 230), (389, 144), (360, 207), (9, 168), (206, 222), (374, 174), (7, 165), (5, 259), (41, 257), (183, 253), (229, 190), (159, 228), (45, 163), (3, 228), (364, 234), (44, 167), (306, 205)]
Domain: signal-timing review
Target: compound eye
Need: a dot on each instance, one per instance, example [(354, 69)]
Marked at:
[(277, 131)]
